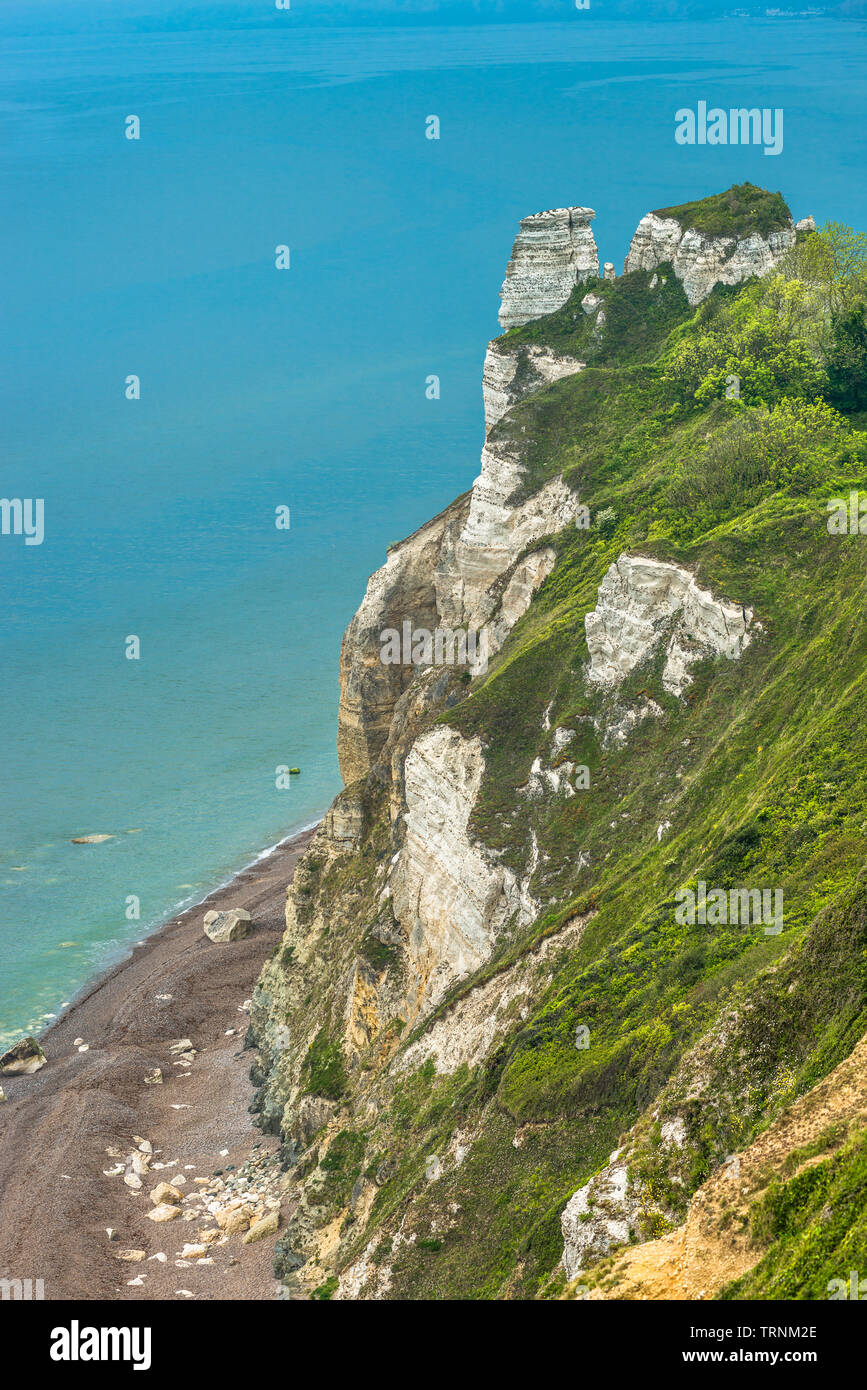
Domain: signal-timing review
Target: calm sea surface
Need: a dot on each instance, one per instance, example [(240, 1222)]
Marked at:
[(262, 388)]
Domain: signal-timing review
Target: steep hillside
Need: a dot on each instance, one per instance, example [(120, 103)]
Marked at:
[(494, 1042)]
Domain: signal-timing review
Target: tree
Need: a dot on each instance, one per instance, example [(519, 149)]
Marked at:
[(847, 360), (834, 262)]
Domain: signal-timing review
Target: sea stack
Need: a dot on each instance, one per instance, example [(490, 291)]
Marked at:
[(553, 251)]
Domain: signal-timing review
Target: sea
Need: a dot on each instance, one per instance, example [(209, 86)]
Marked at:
[(169, 394)]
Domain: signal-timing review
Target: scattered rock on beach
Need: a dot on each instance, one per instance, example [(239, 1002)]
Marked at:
[(164, 1192), (154, 1077), (194, 1252), (266, 1227), (232, 1222), (131, 1257), (2, 1094), (231, 925), (164, 1212), (23, 1059)]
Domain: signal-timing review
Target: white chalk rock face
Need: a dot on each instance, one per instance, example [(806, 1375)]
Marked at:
[(590, 1230), (450, 897), (553, 251), (518, 593), (495, 533), (701, 261), (642, 602), (510, 377)]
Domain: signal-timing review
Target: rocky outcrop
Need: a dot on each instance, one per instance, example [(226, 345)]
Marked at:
[(717, 1242), (700, 261), (496, 532), (402, 589), (344, 820), (465, 1035), (598, 1217), (450, 898), (642, 602), (468, 568), (553, 251), (512, 376)]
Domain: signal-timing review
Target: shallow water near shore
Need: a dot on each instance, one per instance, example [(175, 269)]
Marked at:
[(261, 389)]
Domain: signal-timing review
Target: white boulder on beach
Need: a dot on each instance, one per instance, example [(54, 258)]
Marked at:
[(230, 925), (23, 1059)]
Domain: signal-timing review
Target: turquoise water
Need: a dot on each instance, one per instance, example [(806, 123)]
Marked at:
[(303, 388)]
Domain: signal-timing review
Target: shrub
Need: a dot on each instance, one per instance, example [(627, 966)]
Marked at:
[(790, 448), (847, 361), (742, 209), (767, 338)]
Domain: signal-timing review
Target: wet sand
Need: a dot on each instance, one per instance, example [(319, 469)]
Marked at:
[(55, 1200)]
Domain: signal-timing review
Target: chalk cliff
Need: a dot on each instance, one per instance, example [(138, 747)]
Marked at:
[(553, 252), (643, 602), (491, 1050), (701, 261)]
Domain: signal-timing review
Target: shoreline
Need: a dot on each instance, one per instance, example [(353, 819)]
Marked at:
[(60, 1190), (127, 951)]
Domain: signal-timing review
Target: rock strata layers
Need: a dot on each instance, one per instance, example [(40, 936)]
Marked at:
[(512, 376), (553, 251), (449, 897), (702, 261)]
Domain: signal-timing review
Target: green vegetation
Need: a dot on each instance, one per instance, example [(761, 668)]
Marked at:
[(759, 770), (815, 1225), (637, 319), (739, 211), (323, 1065), (326, 1290)]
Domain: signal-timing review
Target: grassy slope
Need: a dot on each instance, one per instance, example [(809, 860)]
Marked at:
[(761, 772)]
